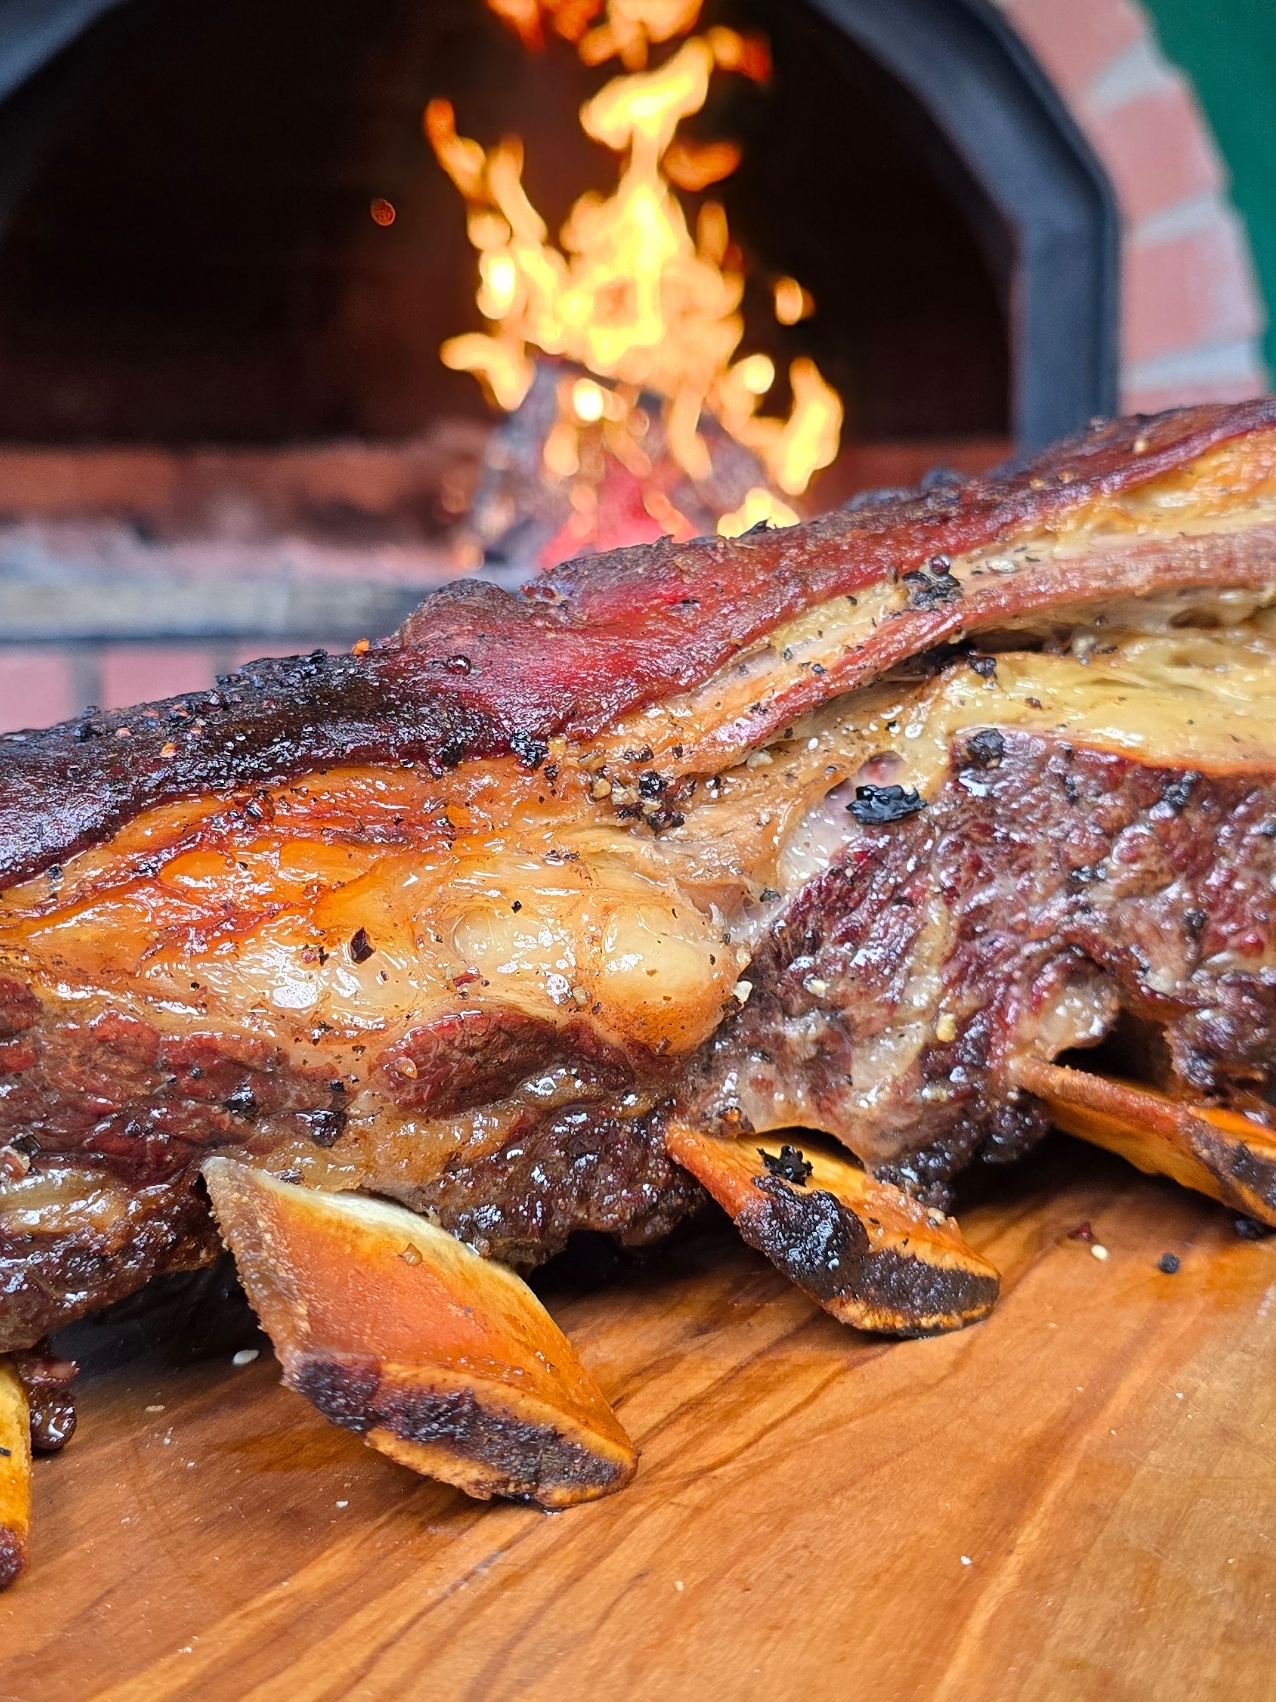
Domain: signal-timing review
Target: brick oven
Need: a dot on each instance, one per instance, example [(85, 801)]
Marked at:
[(229, 260)]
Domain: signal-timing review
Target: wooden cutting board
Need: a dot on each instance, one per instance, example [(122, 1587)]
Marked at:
[(1076, 1499)]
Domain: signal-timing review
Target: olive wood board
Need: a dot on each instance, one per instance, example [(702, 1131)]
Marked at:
[(1076, 1499)]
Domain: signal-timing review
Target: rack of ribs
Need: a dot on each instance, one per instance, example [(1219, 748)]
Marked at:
[(802, 869)]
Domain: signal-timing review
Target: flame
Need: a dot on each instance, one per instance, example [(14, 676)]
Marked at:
[(759, 508), (524, 18), (792, 302), (527, 18), (629, 30), (632, 25), (630, 294)]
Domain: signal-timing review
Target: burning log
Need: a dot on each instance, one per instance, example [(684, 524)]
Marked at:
[(654, 425), (444, 1361)]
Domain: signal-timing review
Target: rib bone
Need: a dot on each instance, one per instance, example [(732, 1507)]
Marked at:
[(1214, 1151), (444, 1361), (868, 1253)]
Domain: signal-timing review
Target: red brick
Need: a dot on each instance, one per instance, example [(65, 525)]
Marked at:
[(1075, 39), (35, 687), (95, 482), (1157, 150), (136, 673), (1191, 291)]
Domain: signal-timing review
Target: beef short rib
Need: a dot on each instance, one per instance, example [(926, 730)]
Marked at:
[(828, 828)]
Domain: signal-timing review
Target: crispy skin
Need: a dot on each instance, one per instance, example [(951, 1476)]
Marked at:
[(478, 671)]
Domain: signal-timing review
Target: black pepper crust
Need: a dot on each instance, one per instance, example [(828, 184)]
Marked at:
[(525, 1460), (67, 786), (477, 671), (584, 1167)]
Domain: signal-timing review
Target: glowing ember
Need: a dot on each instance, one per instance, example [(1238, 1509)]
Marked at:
[(792, 302), (630, 295)]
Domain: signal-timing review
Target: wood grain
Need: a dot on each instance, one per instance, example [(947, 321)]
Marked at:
[(1076, 1499)]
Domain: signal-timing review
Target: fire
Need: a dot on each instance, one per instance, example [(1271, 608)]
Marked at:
[(631, 294), (629, 29)]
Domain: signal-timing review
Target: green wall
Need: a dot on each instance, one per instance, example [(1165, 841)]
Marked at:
[(1228, 48)]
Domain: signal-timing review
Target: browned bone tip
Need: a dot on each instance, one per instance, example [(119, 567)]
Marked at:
[(444, 1361), (868, 1253), (15, 1474), (1217, 1152)]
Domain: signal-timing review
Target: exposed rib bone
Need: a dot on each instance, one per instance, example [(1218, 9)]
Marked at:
[(1217, 1152), (868, 1253), (444, 1361)]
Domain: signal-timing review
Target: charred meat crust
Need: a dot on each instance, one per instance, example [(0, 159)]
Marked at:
[(585, 1168), (524, 1460), (48, 1281), (824, 1248), (610, 634), (68, 786), (1069, 868)]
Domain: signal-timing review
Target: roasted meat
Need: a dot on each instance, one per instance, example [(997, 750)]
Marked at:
[(545, 913)]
